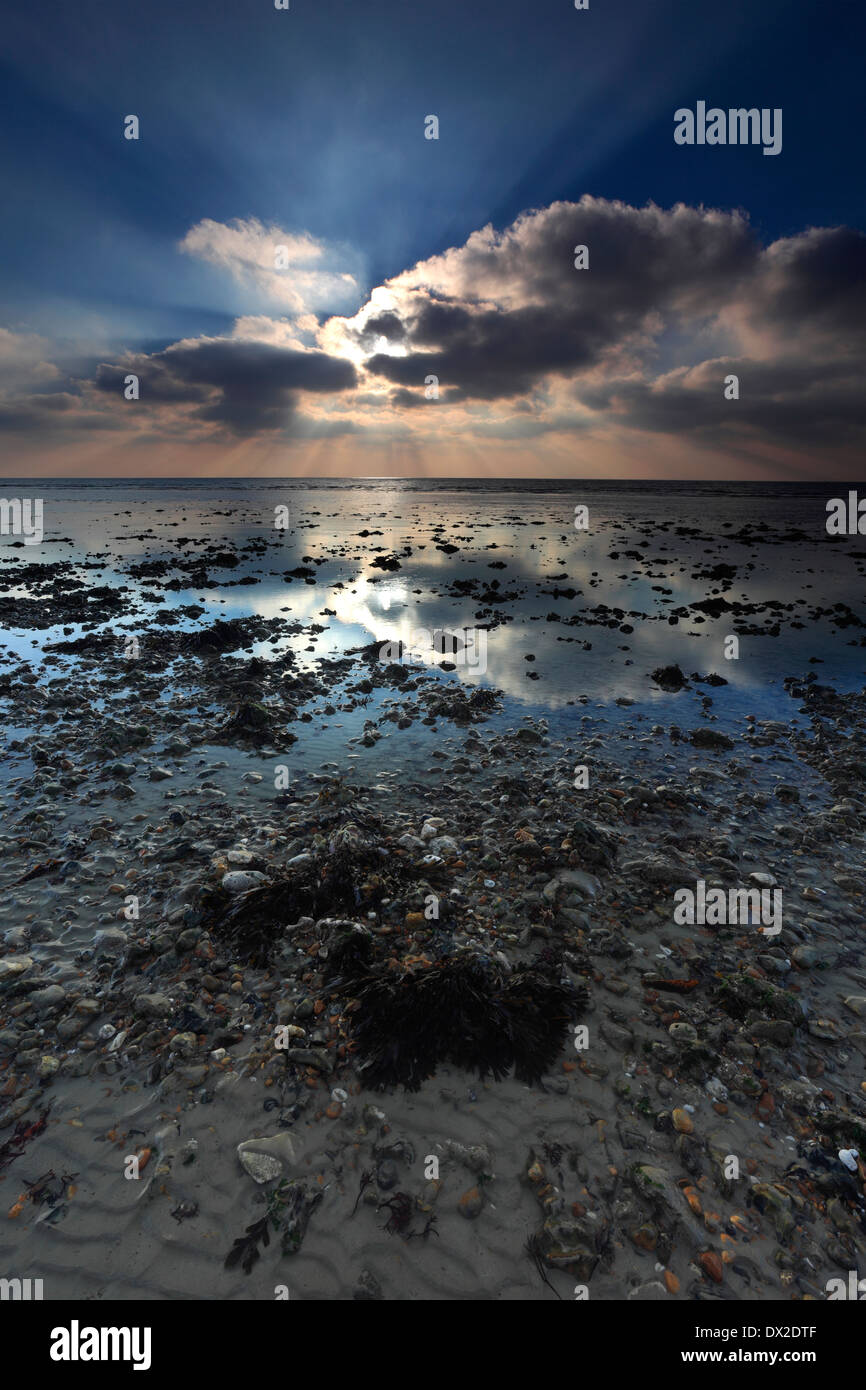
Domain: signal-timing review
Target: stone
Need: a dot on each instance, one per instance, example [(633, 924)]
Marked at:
[(242, 880), (45, 1000), (264, 1159), (153, 1006), (471, 1203), (10, 966)]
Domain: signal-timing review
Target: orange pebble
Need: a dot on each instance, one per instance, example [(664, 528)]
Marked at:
[(693, 1200), (712, 1265)]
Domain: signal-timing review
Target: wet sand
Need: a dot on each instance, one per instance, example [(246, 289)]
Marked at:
[(157, 776)]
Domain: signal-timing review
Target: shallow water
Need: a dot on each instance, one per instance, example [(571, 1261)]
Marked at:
[(631, 559)]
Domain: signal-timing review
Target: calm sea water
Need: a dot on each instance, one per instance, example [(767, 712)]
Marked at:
[(650, 548)]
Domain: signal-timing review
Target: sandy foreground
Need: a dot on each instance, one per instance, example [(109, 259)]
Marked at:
[(443, 977), (704, 1043)]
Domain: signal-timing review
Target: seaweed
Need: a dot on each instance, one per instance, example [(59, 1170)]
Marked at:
[(13, 1147), (428, 1229), (366, 1179), (469, 1010), (184, 1211), (401, 1207), (289, 1209), (49, 1188), (246, 1248), (293, 1204), (254, 722), (534, 1248), (346, 872), (252, 922)]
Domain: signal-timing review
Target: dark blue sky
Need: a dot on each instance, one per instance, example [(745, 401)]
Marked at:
[(155, 260), (312, 119)]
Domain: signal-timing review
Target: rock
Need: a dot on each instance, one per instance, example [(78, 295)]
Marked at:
[(670, 678), (309, 1057), (110, 941), (595, 846), (411, 842), (477, 1158), (763, 880), (10, 966), (711, 1265), (431, 828), (471, 1203), (72, 1027), (683, 1033), (153, 1006), (45, 1000), (242, 880), (586, 885), (656, 868), (242, 858), (710, 738), (649, 1292), (777, 1031), (445, 846), (567, 1245), (386, 1174), (617, 1035), (368, 1289), (264, 1159)]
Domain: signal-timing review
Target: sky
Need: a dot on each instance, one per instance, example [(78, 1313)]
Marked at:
[(284, 274)]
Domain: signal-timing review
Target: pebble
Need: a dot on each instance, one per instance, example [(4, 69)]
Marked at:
[(471, 1203), (242, 880), (264, 1159)]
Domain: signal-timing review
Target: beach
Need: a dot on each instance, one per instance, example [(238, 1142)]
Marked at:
[(288, 764)]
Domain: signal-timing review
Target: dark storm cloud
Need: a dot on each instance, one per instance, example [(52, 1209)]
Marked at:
[(49, 414), (787, 401), (500, 315), (816, 280), (249, 387), (505, 310)]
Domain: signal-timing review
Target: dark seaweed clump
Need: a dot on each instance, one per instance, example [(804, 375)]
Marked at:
[(467, 1010), (347, 872)]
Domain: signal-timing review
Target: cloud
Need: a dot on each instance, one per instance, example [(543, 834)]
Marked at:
[(788, 401), (629, 354), (24, 359), (509, 308), (59, 416), (288, 269), (507, 313), (248, 387)]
